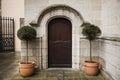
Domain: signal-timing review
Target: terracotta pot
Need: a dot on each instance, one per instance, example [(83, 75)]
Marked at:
[(26, 69), (91, 68)]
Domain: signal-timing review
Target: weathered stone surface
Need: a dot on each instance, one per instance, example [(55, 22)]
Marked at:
[(110, 57), (102, 13), (9, 70)]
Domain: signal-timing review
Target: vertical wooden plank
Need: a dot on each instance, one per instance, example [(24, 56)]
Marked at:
[(41, 53)]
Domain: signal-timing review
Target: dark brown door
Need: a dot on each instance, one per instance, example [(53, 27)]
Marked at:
[(59, 43)]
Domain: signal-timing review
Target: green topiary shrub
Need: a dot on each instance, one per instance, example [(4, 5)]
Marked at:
[(91, 32), (26, 33)]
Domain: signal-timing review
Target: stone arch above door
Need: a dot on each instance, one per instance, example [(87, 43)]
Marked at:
[(59, 11), (53, 8)]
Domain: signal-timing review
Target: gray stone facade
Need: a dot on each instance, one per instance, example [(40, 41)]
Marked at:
[(110, 57), (110, 45), (38, 13), (102, 13)]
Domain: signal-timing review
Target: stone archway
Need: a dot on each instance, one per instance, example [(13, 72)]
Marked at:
[(59, 11)]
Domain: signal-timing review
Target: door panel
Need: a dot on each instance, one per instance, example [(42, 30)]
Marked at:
[(59, 43)]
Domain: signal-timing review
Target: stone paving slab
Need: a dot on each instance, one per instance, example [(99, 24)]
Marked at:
[(8, 65), (59, 75)]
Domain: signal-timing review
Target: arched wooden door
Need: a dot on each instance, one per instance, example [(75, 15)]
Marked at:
[(60, 43)]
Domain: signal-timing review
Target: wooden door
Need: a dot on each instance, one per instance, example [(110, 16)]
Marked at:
[(59, 43)]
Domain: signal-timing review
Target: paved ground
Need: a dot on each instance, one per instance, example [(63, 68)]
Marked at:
[(8, 65), (58, 75), (9, 71)]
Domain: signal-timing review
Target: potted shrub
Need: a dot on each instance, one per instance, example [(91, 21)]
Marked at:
[(91, 32), (26, 33)]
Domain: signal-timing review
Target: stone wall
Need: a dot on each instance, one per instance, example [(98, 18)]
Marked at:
[(102, 13), (14, 9), (110, 57), (85, 50), (89, 9), (42, 30), (111, 18), (40, 12), (110, 44), (34, 48)]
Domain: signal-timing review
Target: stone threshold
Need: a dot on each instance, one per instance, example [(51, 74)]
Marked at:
[(60, 69)]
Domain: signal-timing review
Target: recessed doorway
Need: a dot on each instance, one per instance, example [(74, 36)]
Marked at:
[(59, 43)]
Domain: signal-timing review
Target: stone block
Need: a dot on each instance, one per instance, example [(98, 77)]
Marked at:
[(103, 63), (23, 52)]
